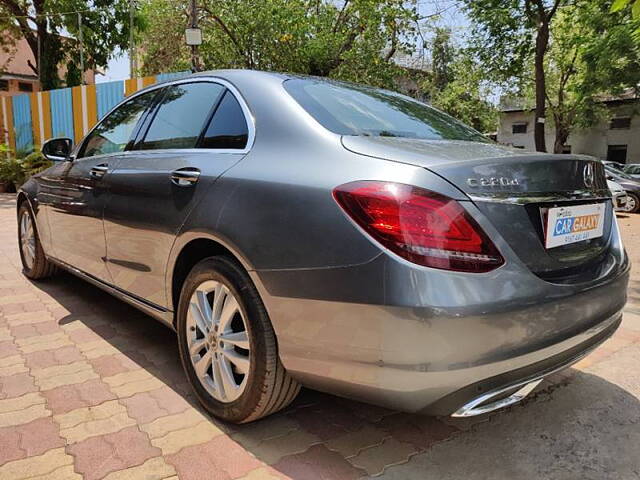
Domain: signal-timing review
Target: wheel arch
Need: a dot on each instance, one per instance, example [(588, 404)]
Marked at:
[(187, 251)]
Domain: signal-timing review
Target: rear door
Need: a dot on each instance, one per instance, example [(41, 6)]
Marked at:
[(77, 195), (196, 132)]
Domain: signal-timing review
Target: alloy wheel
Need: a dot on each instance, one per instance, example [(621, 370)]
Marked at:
[(218, 341), (631, 203), (27, 239)]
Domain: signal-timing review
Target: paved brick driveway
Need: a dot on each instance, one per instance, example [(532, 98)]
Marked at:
[(91, 388)]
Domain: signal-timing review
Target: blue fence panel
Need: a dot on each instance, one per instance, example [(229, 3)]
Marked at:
[(109, 95), (165, 77), (22, 123), (62, 113)]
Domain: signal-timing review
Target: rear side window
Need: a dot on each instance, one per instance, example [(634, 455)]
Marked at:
[(181, 116), (348, 109), (228, 127)]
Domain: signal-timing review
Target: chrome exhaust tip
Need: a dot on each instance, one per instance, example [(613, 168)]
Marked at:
[(483, 403)]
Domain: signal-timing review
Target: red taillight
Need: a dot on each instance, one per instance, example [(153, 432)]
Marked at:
[(421, 226)]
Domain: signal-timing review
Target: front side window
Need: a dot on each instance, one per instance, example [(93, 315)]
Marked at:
[(228, 128), (114, 132), (181, 116), (348, 109)]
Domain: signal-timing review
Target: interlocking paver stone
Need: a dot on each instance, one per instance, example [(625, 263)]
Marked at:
[(91, 386), (98, 456)]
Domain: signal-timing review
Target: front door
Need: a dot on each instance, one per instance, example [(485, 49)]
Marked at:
[(79, 193), (158, 183), (76, 200)]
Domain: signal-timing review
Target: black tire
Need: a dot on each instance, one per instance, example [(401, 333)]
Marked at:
[(635, 198), (269, 387), (41, 267)]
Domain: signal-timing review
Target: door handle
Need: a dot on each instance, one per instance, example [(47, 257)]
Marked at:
[(99, 171), (185, 177)]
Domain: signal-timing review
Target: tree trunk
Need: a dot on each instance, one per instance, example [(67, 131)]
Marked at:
[(542, 42), (47, 63), (562, 134)]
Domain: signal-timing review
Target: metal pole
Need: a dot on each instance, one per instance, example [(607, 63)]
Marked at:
[(81, 48), (39, 63), (132, 48), (195, 64)]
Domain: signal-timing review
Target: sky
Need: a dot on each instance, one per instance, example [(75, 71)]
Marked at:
[(449, 15)]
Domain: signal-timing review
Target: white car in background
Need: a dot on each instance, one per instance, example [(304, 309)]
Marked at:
[(619, 196)]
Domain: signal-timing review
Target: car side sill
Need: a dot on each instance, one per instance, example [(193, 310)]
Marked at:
[(159, 313)]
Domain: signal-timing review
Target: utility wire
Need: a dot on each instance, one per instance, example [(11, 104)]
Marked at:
[(54, 14)]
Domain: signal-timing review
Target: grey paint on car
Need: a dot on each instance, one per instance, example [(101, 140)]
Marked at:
[(351, 317)]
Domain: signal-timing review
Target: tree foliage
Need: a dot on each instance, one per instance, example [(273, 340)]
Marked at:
[(591, 56), (507, 33), (105, 27), (351, 39), (466, 95)]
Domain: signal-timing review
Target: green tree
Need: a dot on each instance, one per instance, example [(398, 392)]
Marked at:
[(507, 34), (105, 27), (352, 39), (441, 58), (579, 67), (465, 95)]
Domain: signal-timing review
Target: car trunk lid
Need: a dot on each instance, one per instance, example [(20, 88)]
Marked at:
[(514, 189)]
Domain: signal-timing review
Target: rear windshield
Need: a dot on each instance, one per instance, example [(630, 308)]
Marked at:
[(349, 109)]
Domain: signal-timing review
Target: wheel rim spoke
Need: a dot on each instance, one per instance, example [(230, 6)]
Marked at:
[(201, 321), (228, 312), (239, 339), (221, 356), (27, 240), (240, 361), (202, 364), (228, 381), (218, 381), (219, 294), (197, 345)]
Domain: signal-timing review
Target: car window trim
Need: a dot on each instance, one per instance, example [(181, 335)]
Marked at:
[(139, 142), (248, 116), (208, 124), (80, 147), (209, 119), (144, 120)]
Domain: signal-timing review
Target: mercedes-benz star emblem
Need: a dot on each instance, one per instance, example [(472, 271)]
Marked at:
[(589, 175)]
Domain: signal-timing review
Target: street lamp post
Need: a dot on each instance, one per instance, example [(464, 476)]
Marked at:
[(193, 37)]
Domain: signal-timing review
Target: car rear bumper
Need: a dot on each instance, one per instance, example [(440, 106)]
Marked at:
[(417, 354)]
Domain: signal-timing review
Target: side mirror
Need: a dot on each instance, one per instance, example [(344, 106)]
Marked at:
[(57, 149)]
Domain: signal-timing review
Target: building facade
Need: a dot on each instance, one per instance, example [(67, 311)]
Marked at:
[(616, 139), (16, 75)]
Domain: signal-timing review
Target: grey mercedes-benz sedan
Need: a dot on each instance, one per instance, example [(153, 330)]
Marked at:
[(301, 231)]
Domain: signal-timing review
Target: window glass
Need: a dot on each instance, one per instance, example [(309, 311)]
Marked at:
[(519, 128), (228, 127), (620, 123), (181, 116), (113, 134), (4, 85), (349, 109), (25, 87)]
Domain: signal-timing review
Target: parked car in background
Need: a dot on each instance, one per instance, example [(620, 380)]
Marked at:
[(615, 165), (619, 196), (302, 231), (630, 185), (632, 169)]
